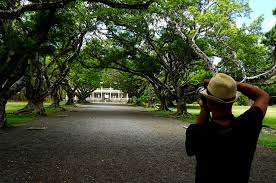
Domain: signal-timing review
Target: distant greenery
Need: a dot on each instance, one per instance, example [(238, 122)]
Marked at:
[(242, 100)]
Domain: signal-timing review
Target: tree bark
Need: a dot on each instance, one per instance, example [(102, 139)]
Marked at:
[(170, 102), (38, 108), (33, 106), (54, 98), (151, 102), (82, 100), (70, 100), (181, 100), (82, 97), (163, 103), (181, 107), (16, 12), (3, 117), (69, 91), (161, 94)]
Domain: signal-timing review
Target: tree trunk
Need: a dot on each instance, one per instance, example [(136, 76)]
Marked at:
[(181, 100), (160, 93), (170, 102), (38, 108), (82, 99), (151, 102), (181, 108), (33, 106), (70, 100), (70, 95), (55, 99), (163, 104), (69, 91), (3, 117)]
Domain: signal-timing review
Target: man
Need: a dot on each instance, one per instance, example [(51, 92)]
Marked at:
[(223, 145)]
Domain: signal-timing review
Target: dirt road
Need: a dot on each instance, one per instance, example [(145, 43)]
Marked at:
[(106, 143)]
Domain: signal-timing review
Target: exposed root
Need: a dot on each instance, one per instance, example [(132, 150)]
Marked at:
[(183, 115), (268, 129), (23, 111)]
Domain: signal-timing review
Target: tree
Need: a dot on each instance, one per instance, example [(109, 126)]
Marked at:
[(15, 8), (84, 81), (129, 83), (19, 40), (46, 73), (70, 91), (22, 34), (191, 33)]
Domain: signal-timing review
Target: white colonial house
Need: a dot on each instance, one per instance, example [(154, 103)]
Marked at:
[(108, 95)]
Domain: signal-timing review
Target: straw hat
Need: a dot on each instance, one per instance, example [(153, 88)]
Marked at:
[(221, 88)]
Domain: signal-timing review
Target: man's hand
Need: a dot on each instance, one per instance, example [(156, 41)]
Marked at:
[(204, 114), (203, 103), (206, 82)]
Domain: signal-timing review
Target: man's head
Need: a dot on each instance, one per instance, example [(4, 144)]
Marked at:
[(218, 107), (221, 92)]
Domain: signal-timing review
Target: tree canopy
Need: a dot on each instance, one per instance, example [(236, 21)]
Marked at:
[(171, 45)]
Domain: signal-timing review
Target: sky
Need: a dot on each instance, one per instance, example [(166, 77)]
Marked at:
[(261, 7)]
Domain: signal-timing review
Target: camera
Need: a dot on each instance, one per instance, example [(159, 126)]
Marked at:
[(199, 89)]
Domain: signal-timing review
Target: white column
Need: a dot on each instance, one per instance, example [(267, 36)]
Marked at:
[(127, 96), (102, 93), (110, 93)]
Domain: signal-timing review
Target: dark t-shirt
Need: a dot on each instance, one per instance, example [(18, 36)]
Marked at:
[(224, 154)]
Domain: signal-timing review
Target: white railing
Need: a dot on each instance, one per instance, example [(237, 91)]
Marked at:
[(115, 100)]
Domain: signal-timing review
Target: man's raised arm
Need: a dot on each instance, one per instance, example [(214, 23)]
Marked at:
[(259, 96)]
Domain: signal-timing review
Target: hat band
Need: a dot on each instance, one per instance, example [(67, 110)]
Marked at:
[(225, 100)]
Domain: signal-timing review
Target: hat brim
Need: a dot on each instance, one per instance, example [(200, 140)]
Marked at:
[(213, 98)]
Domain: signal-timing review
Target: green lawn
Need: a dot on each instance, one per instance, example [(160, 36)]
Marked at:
[(269, 120), (15, 119), (267, 140)]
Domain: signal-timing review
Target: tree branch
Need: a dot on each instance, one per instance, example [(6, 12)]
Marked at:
[(195, 48), (114, 4), (16, 87), (14, 13), (265, 75), (239, 64)]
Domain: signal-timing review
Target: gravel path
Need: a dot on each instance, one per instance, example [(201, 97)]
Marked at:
[(106, 143)]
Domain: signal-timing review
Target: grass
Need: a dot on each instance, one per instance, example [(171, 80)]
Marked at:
[(269, 120), (17, 119), (267, 140)]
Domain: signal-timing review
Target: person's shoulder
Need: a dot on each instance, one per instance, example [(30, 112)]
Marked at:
[(252, 113), (252, 117), (196, 128)]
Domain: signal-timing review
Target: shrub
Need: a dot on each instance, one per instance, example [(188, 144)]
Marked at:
[(242, 100)]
